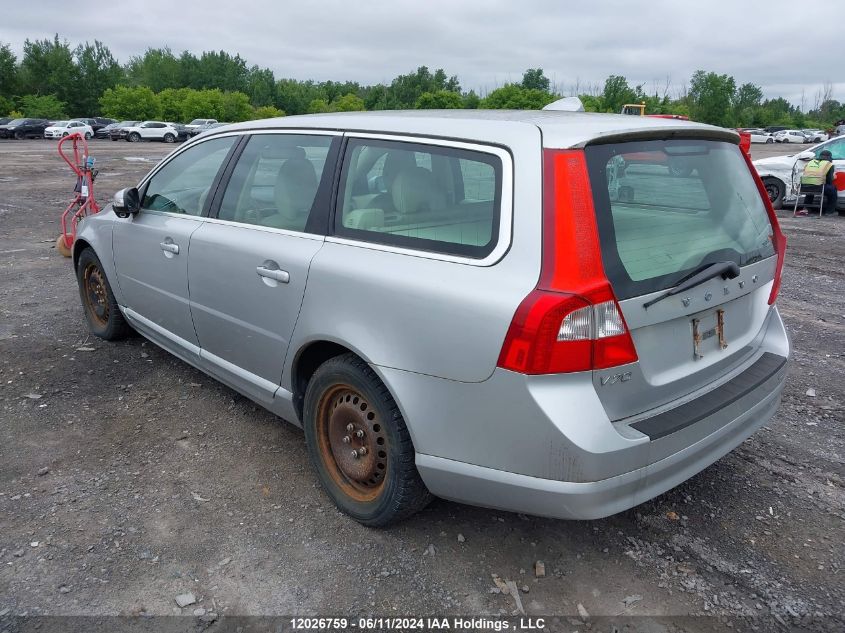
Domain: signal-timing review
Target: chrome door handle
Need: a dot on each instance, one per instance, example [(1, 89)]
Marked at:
[(170, 247), (273, 273)]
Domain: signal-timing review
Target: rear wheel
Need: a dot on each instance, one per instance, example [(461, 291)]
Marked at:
[(359, 444), (775, 189), (769, 140), (134, 137), (101, 310), (87, 136), (169, 138)]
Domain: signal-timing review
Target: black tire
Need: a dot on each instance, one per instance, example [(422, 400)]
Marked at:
[(64, 134), (19, 136), (776, 189), (98, 303), (396, 490), (87, 136), (134, 137), (769, 140), (169, 138), (114, 138)]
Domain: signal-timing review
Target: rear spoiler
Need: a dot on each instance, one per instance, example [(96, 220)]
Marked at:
[(664, 134)]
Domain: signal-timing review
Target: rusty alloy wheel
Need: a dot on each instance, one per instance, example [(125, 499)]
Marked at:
[(96, 297), (352, 442)]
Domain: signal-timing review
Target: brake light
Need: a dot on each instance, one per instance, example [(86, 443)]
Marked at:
[(571, 321), (778, 238)]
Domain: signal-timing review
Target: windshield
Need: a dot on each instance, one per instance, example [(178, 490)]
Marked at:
[(59, 124), (16, 121), (666, 208), (197, 122), (127, 123)]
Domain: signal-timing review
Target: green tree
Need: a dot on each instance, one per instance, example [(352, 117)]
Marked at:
[(157, 69), (534, 79), (617, 93), (48, 67), (6, 106), (235, 107), (317, 106), (515, 97), (404, 90), (347, 103), (471, 100), (97, 71), (711, 98), (746, 103), (261, 86), (440, 100), (295, 97), (136, 103), (8, 72), (43, 107), (171, 102), (267, 112)]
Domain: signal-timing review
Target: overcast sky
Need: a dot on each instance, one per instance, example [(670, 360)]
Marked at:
[(484, 42)]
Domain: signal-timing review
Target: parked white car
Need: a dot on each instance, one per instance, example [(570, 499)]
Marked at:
[(815, 136), (790, 136), (759, 136), (152, 131), (59, 129), (198, 125), (781, 174)]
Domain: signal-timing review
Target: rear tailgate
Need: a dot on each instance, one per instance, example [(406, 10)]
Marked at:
[(666, 209)]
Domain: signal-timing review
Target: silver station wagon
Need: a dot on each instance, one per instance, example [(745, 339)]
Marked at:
[(554, 313)]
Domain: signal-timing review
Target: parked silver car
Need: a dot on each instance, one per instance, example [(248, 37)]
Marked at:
[(530, 311)]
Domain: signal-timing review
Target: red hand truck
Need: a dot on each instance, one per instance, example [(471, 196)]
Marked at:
[(83, 202)]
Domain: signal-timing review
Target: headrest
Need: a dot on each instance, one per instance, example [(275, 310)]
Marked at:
[(296, 187), (395, 162), (413, 191)]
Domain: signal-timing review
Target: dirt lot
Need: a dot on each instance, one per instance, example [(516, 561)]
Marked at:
[(127, 477)]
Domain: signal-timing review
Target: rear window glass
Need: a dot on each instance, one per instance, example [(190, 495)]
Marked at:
[(438, 199), (666, 208)]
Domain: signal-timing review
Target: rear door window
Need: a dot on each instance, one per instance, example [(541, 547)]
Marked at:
[(426, 197), (666, 208)]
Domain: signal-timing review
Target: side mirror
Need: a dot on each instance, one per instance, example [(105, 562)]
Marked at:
[(126, 202), (806, 156)]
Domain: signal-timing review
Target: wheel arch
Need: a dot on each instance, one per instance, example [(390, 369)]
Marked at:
[(79, 245)]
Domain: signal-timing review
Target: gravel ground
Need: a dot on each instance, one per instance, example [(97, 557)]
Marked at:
[(128, 478)]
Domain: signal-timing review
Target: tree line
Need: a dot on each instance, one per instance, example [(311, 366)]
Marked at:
[(54, 80)]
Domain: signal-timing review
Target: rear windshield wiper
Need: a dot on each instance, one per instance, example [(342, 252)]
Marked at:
[(725, 270)]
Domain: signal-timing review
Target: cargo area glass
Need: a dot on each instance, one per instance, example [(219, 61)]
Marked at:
[(666, 208)]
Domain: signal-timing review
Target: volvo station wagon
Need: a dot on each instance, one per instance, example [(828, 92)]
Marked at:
[(555, 313)]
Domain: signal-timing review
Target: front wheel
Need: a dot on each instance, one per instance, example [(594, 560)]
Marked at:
[(134, 137), (19, 136), (775, 190), (359, 444), (101, 310), (169, 138)]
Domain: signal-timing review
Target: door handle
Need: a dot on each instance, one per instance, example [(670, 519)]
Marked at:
[(273, 273), (169, 247)]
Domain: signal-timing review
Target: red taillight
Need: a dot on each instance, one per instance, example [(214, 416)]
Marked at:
[(571, 321), (778, 238)]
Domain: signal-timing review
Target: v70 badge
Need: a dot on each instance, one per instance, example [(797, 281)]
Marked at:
[(699, 336)]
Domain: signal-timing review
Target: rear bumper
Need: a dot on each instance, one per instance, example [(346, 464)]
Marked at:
[(488, 487)]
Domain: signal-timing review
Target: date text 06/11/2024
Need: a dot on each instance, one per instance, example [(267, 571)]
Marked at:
[(454, 623)]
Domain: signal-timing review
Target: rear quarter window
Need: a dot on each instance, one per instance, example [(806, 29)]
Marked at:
[(666, 208), (425, 197)]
